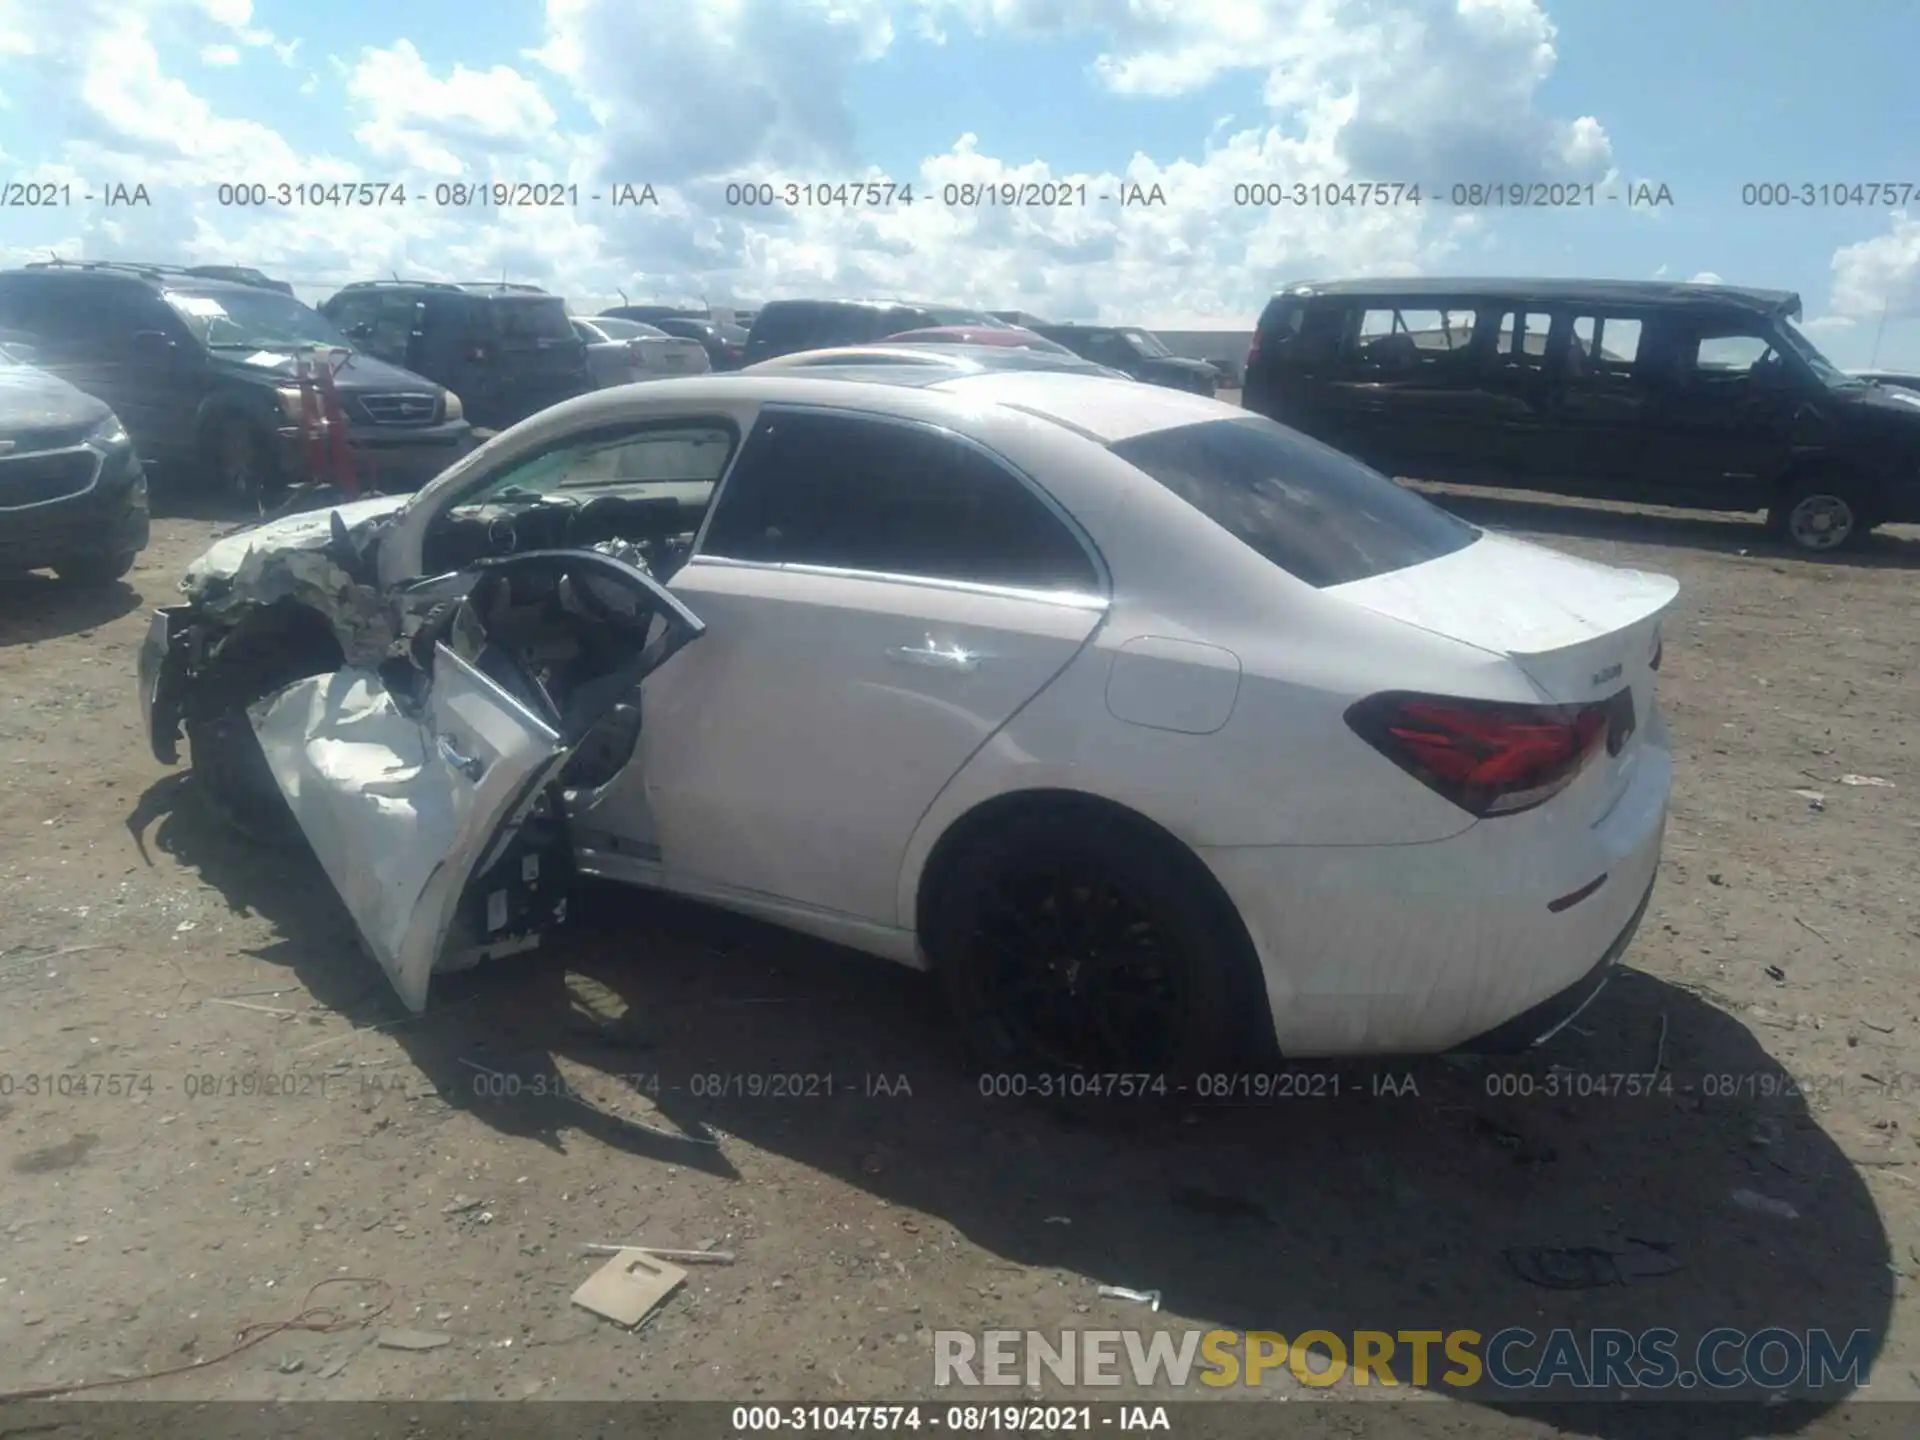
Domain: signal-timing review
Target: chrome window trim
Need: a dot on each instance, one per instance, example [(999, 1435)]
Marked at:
[(1102, 574), (1066, 599)]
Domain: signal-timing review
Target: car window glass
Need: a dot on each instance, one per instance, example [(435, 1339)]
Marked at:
[(862, 494), (1603, 345), (1394, 338), (524, 323), (1729, 355), (1319, 515), (393, 324), (1521, 341), (618, 461)]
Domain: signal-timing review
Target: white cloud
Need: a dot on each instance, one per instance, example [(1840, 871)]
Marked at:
[(1705, 277), (1881, 275), (220, 55), (453, 126), (1418, 91)]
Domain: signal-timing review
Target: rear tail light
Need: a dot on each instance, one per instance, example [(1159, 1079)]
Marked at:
[(1253, 351), (1487, 757)]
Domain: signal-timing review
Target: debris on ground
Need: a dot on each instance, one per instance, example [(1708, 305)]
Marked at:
[(684, 1257), (1140, 1297), (412, 1339), (1764, 1205), (1874, 780), (626, 1289)]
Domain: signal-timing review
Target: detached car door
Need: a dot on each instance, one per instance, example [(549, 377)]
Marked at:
[(427, 787), (883, 597)]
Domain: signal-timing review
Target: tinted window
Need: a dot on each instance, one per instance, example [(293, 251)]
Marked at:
[(1395, 338), (82, 317), (1320, 516), (1521, 342), (525, 323), (1603, 343), (862, 494)]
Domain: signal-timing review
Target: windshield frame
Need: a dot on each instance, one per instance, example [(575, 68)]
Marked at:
[(1810, 358), (326, 333), (1146, 344)]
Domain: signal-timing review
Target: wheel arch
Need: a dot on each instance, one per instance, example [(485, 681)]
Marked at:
[(982, 821)]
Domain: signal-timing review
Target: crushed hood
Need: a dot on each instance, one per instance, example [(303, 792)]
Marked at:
[(309, 530), (298, 558)]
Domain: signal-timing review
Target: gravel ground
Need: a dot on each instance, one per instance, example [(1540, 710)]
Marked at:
[(277, 1122)]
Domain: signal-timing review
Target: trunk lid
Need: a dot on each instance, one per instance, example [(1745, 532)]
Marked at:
[(1580, 630), (1583, 633)]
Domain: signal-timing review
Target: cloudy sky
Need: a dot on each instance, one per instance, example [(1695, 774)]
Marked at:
[(1199, 98)]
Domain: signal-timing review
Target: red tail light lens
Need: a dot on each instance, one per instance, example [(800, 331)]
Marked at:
[(1253, 351), (1487, 757)]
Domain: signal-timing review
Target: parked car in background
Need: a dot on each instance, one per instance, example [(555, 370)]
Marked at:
[(239, 274), (73, 494), (654, 314), (1200, 741), (619, 352), (1701, 396), (785, 327), (1016, 336), (202, 374), (960, 359), (725, 344), (506, 350), (1138, 353)]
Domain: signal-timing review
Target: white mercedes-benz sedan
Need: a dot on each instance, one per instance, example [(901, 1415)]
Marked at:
[(1161, 734)]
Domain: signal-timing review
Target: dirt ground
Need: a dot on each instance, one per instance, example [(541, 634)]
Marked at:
[(209, 1102)]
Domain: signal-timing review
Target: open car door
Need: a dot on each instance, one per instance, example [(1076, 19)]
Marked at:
[(429, 789)]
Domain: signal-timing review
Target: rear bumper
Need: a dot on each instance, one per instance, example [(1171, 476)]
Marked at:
[(109, 518), (1422, 948)]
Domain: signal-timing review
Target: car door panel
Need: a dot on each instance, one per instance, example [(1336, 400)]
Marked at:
[(425, 795), (413, 802), (796, 751)]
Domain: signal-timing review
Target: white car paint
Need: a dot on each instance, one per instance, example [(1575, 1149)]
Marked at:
[(803, 761), (620, 352), (424, 795)]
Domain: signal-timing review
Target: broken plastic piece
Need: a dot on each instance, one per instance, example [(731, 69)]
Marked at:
[(1121, 1292)]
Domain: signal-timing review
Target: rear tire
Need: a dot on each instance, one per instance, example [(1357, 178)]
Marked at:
[(97, 569), (1820, 516), (1089, 959)]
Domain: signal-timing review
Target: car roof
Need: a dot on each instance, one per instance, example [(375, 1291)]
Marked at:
[(1603, 292), (1096, 407), (922, 354)]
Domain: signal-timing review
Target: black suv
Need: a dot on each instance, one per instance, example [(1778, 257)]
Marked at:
[(73, 496), (1135, 352), (201, 372), (507, 351), (783, 327), (1700, 396)]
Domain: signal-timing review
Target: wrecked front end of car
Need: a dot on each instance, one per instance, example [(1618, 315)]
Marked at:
[(420, 739)]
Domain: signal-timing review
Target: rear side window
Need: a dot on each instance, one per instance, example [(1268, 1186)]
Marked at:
[(525, 323), (1320, 516), (860, 494)]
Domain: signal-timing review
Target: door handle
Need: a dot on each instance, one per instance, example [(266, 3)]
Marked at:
[(935, 656), (468, 765)]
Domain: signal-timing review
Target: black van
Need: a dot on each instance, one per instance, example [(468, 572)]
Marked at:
[(201, 372), (786, 327), (508, 351), (1697, 396)]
